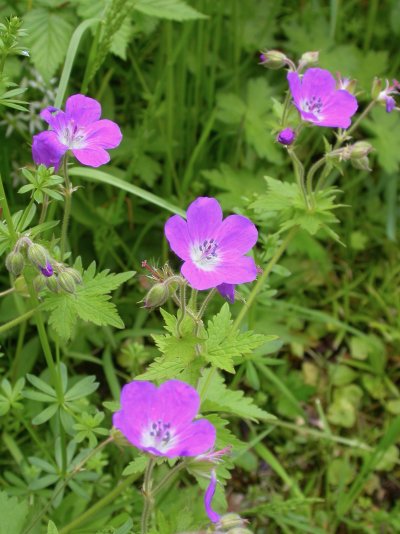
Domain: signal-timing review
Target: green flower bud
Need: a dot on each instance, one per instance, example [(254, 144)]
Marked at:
[(231, 520), (156, 297), (38, 255), (52, 284), (308, 59), (239, 530), (66, 281), (39, 282), (76, 275), (15, 263), (273, 59), (361, 163), (360, 150)]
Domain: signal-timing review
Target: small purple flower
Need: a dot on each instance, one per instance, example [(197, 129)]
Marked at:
[(227, 291), (212, 249), (208, 497), (160, 420), (385, 95), (318, 101), (47, 270), (78, 129), (286, 136)]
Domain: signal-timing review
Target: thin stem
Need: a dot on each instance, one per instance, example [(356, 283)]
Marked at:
[(299, 173), (168, 477), (7, 214), (260, 282), (361, 117), (7, 291), (67, 208), (205, 303), (311, 173), (182, 306), (45, 205), (18, 320), (147, 495)]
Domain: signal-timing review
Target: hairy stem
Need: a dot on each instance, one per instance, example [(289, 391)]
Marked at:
[(299, 173), (147, 495), (67, 208)]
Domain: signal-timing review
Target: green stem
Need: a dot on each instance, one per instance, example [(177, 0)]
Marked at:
[(67, 208), (18, 320), (168, 477), (260, 282), (43, 212), (147, 495), (311, 173), (299, 173), (7, 214), (360, 118), (205, 303), (182, 306), (7, 291)]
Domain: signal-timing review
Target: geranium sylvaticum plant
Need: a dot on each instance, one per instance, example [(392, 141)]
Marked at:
[(173, 412)]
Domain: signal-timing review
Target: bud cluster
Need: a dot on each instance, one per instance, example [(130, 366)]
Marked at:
[(52, 275), (165, 285), (357, 154), (274, 59)]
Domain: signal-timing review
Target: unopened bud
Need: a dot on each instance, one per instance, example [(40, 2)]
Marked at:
[(157, 295), (286, 136), (273, 59), (308, 59), (76, 275), (239, 530), (47, 270), (52, 284), (346, 84), (376, 88), (66, 282), (15, 263), (360, 150), (37, 255), (231, 520), (361, 164), (39, 282)]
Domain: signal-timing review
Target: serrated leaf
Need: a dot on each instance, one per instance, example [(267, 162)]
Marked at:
[(48, 38), (137, 466), (169, 9), (13, 514), (218, 398)]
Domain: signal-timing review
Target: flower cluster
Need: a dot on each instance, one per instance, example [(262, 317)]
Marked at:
[(78, 129)]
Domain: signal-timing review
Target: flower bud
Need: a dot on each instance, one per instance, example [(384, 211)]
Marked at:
[(38, 255), (286, 136), (15, 263), (308, 59), (239, 530), (231, 520), (376, 88), (66, 282), (47, 270), (156, 297), (346, 84), (360, 150), (361, 163), (273, 59), (76, 275), (39, 282), (52, 284)]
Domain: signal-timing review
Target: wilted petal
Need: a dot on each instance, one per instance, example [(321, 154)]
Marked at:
[(82, 109), (204, 217), (208, 497), (93, 157), (227, 291), (103, 133), (176, 231), (47, 149)]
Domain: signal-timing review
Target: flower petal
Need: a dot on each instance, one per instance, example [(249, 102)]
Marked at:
[(200, 279), (47, 149), (176, 231), (91, 156), (196, 438), (338, 109), (227, 291), (318, 83), (137, 401), (295, 86), (236, 236), (204, 216), (177, 403), (208, 497), (103, 133), (82, 109), (238, 271)]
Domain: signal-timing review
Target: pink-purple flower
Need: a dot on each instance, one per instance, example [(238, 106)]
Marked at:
[(78, 129), (213, 249), (160, 420), (286, 136), (208, 497), (319, 101)]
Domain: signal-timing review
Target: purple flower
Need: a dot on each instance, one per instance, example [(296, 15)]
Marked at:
[(286, 136), (385, 95), (212, 249), (47, 270), (160, 420), (227, 291), (208, 497), (77, 129), (318, 101)]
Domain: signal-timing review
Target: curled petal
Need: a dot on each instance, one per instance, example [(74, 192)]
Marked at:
[(47, 149), (208, 497)]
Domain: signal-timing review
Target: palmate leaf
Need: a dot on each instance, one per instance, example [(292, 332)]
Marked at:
[(48, 38), (90, 302)]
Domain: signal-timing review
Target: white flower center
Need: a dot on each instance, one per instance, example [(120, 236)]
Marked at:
[(159, 435), (205, 255), (312, 105), (72, 136)]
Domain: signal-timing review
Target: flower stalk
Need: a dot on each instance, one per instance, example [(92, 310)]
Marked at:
[(67, 207), (147, 495)]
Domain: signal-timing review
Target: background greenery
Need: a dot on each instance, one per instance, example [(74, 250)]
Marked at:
[(199, 117)]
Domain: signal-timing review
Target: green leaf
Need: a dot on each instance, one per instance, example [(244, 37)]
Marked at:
[(137, 466), (90, 302), (51, 528), (49, 36), (169, 9), (13, 514), (45, 415), (218, 398)]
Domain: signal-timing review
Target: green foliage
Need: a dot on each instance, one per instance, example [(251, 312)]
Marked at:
[(13, 514), (168, 9), (90, 302), (42, 182)]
